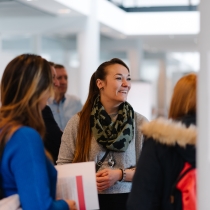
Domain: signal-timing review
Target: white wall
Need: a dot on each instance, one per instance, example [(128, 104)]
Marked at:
[(140, 97), (5, 58)]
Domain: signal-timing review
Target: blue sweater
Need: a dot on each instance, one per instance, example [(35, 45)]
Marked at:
[(25, 170)]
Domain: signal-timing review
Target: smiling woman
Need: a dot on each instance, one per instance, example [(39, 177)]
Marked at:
[(106, 131)]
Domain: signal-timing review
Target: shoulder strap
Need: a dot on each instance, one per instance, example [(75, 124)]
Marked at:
[(187, 167), (100, 162)]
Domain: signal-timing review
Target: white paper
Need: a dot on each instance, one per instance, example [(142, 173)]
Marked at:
[(77, 181)]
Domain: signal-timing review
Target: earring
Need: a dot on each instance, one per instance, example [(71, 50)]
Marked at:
[(101, 88)]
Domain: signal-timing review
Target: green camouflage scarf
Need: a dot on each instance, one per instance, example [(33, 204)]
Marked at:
[(115, 136)]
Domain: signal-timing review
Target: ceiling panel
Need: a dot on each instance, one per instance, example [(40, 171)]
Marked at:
[(16, 9)]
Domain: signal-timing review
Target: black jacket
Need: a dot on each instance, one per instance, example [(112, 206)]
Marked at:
[(167, 147), (53, 134)]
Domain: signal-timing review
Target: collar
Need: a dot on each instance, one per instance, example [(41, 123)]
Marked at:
[(169, 132), (61, 101)]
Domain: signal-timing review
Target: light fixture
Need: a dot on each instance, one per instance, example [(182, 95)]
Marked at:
[(64, 11), (105, 29)]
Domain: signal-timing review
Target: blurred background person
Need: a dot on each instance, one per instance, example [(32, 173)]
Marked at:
[(52, 139), (169, 145), (107, 132), (25, 169), (63, 105)]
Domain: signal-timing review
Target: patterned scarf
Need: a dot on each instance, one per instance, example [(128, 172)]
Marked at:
[(115, 136)]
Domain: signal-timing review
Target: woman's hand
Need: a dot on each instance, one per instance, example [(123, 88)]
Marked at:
[(107, 178), (71, 204)]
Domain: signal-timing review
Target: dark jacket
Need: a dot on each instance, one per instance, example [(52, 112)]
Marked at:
[(53, 134), (167, 147)]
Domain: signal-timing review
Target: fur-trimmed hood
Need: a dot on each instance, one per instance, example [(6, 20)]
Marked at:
[(170, 132)]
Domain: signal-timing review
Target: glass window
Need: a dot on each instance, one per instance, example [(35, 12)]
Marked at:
[(154, 3)]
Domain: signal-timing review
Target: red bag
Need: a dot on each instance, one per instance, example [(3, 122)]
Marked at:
[(186, 184)]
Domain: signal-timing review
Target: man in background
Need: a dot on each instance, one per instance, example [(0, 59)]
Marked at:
[(63, 105)]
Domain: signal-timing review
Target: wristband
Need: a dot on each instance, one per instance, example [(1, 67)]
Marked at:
[(123, 175)]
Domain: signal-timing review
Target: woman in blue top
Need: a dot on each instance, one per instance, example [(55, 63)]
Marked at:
[(24, 168)]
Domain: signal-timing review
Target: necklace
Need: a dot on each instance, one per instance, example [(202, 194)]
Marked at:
[(113, 117), (111, 161)]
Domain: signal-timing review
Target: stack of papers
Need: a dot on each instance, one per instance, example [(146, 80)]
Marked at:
[(77, 181)]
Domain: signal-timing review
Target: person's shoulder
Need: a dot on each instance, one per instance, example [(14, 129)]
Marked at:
[(72, 97), (74, 120), (72, 124), (26, 130), (140, 118), (46, 110), (25, 135)]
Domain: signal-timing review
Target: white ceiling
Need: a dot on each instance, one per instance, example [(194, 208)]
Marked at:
[(21, 17), (9, 8)]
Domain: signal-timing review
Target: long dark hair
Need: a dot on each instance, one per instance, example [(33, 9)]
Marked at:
[(84, 134), (25, 79)]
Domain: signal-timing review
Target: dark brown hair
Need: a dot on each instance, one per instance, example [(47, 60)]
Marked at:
[(184, 97), (59, 66), (51, 63), (84, 134)]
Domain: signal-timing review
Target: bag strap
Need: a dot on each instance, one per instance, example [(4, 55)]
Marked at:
[(100, 162)]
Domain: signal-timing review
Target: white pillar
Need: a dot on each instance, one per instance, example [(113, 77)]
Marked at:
[(1, 55), (161, 89), (203, 142), (135, 57), (88, 49), (66, 58), (0, 44), (36, 44), (72, 74)]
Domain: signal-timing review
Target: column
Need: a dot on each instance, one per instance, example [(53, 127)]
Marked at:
[(203, 119), (88, 48), (36, 44), (135, 57), (66, 59), (0, 43), (161, 89), (72, 73)]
